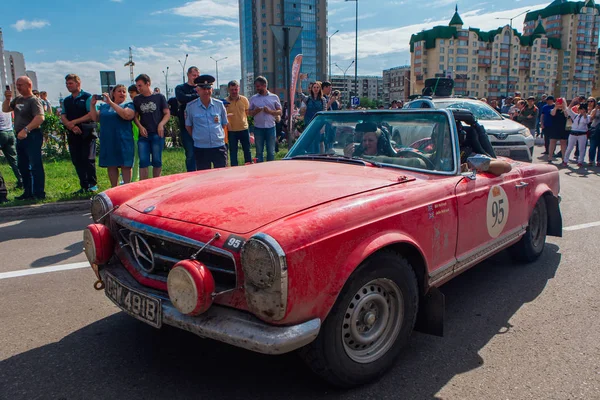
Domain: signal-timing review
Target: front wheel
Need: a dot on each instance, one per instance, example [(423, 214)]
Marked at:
[(531, 245), (369, 324)]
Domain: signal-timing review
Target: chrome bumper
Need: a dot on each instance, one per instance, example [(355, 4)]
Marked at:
[(228, 325)]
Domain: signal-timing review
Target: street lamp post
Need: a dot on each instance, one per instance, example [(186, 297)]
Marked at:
[(183, 67), (409, 86), (510, 47), (166, 74), (344, 71), (329, 42), (217, 68), (356, 52)]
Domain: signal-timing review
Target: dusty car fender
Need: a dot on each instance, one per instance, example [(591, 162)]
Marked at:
[(369, 246), (552, 205)]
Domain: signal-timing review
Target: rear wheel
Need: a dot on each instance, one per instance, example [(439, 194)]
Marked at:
[(368, 325), (531, 245)]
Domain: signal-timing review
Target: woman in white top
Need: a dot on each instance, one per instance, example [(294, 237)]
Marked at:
[(578, 135)]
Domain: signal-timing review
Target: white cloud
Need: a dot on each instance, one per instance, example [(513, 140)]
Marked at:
[(206, 9), (151, 60), (221, 22), (24, 24), (353, 18)]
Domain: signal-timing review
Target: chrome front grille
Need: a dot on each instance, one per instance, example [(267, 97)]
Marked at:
[(144, 243)]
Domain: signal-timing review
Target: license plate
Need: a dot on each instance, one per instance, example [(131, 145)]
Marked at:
[(136, 304), (502, 152)]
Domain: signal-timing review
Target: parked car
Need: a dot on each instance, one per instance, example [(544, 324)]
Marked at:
[(336, 251), (509, 138)]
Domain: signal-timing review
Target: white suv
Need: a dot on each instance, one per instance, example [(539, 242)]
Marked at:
[(508, 138)]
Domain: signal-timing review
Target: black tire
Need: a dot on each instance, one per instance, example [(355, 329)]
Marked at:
[(333, 355), (531, 245)]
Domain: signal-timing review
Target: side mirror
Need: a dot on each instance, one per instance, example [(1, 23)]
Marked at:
[(506, 116), (470, 175)]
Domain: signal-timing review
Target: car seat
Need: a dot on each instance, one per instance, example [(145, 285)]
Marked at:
[(476, 137), (384, 143)]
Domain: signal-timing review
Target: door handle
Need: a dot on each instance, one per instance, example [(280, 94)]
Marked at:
[(521, 185)]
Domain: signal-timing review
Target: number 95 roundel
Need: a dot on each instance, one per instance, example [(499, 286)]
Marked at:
[(497, 211)]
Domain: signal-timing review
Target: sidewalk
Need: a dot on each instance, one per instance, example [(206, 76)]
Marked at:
[(46, 209)]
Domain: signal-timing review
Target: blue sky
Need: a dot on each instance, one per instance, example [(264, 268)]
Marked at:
[(82, 37)]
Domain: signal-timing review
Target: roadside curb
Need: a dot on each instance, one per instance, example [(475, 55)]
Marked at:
[(47, 209)]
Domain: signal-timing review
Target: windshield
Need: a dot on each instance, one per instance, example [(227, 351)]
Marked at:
[(480, 110), (404, 139)]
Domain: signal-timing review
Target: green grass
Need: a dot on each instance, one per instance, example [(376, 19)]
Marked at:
[(62, 181)]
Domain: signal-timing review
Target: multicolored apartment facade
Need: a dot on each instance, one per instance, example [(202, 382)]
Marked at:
[(556, 54)]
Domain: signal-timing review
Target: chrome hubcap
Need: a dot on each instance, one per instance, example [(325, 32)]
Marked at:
[(372, 320)]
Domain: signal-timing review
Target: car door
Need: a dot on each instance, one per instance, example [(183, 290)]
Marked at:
[(491, 211)]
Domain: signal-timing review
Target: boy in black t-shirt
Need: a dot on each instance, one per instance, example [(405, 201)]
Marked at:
[(151, 116)]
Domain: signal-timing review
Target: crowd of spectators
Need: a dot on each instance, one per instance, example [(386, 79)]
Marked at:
[(558, 122), (132, 129), (133, 120)]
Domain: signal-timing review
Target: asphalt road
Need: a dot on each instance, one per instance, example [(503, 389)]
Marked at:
[(512, 331)]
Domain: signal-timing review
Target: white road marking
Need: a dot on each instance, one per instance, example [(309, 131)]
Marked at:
[(582, 226), (43, 270), (11, 223)]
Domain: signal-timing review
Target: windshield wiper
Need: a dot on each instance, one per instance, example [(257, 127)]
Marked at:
[(336, 158)]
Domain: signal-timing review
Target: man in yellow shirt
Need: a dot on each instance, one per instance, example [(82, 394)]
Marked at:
[(237, 115)]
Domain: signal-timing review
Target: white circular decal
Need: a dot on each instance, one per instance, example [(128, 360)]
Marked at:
[(497, 211)]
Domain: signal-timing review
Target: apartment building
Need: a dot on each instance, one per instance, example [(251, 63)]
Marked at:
[(396, 84), (576, 25), (261, 54), (488, 63), (369, 86)]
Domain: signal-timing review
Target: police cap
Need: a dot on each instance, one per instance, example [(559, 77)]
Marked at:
[(205, 81)]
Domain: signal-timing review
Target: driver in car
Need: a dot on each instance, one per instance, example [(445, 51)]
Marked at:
[(369, 143)]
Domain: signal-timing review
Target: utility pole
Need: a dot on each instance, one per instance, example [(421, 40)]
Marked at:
[(183, 67), (356, 52), (329, 43), (166, 74), (510, 37), (217, 68), (345, 82), (130, 64)]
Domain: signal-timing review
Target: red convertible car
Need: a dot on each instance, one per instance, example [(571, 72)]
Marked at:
[(336, 251)]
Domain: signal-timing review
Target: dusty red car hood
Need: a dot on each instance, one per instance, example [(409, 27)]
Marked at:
[(243, 199)]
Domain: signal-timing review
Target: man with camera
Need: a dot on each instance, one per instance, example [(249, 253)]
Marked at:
[(82, 134), (29, 116)]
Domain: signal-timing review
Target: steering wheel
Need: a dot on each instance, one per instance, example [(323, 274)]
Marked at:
[(416, 155)]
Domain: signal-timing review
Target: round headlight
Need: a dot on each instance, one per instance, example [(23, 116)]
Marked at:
[(98, 244), (101, 204), (191, 286), (258, 263)]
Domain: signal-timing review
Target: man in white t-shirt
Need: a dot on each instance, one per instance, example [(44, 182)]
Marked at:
[(264, 107)]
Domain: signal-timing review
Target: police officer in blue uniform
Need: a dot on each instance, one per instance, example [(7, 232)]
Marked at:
[(205, 121)]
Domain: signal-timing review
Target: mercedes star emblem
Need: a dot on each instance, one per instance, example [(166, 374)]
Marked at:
[(142, 252)]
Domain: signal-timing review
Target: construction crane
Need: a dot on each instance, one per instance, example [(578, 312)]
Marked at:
[(130, 64)]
